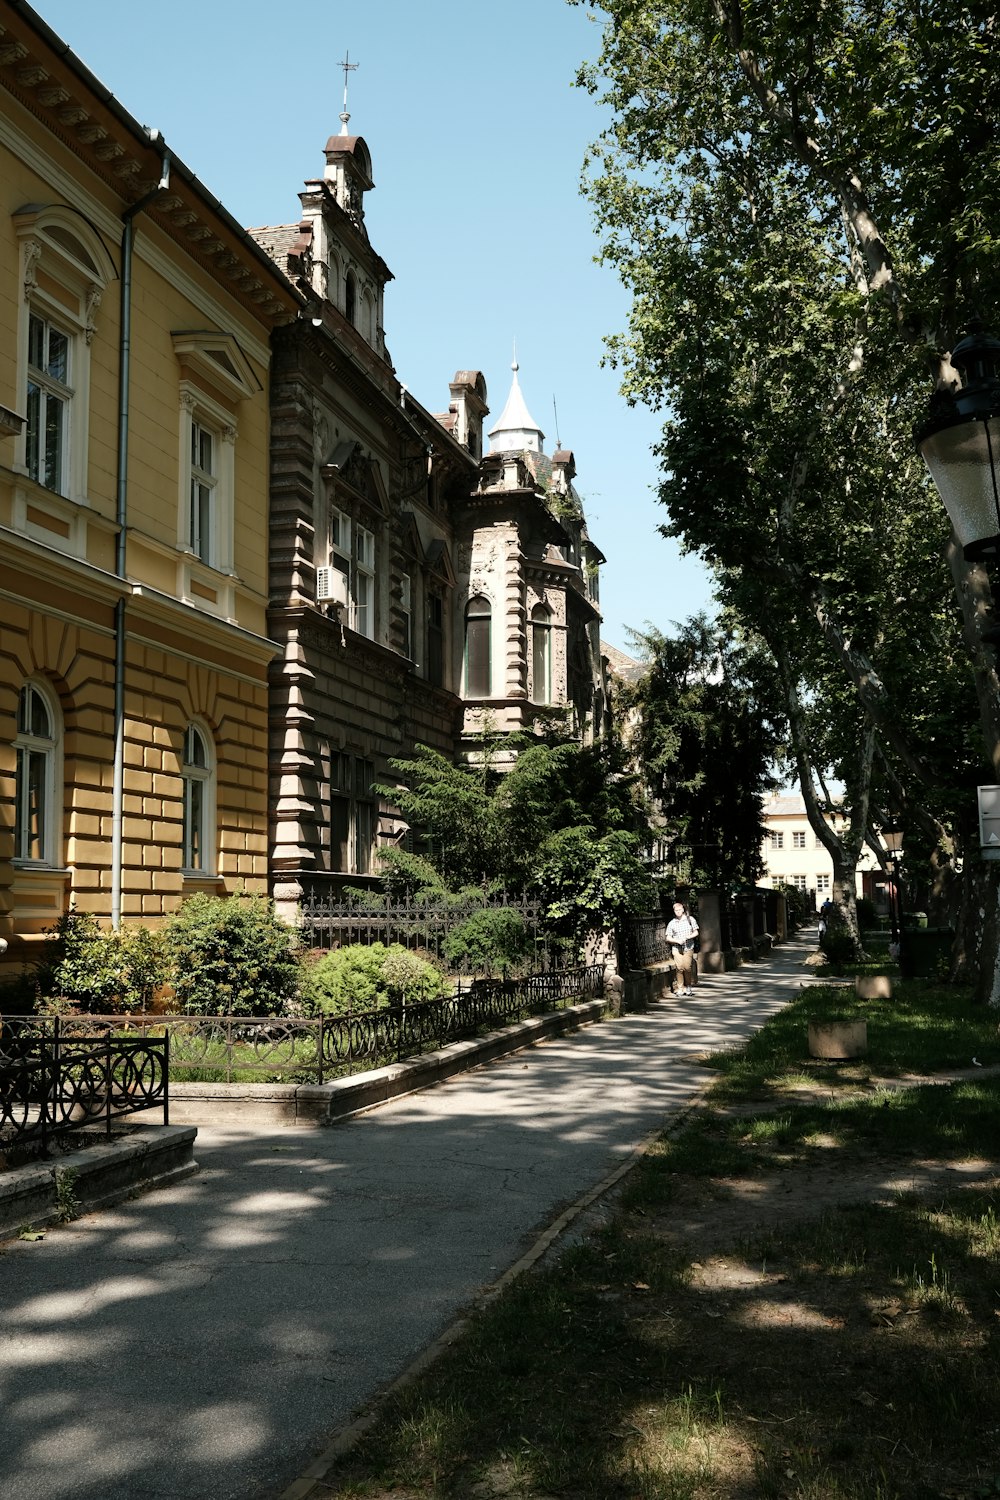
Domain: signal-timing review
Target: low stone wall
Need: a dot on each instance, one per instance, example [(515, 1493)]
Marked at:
[(95, 1177), (263, 1105)]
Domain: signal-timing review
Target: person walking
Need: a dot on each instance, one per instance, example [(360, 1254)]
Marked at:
[(682, 935)]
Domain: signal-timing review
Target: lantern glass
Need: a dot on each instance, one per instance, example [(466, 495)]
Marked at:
[(892, 838), (962, 461)]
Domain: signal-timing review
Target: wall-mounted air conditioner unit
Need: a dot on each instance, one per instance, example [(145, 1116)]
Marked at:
[(331, 587)]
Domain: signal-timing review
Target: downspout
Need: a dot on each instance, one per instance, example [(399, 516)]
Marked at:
[(121, 517)]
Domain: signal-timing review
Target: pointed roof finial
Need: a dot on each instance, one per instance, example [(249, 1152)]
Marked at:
[(348, 67), (517, 429)]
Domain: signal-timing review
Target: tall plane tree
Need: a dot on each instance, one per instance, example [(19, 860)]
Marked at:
[(801, 200)]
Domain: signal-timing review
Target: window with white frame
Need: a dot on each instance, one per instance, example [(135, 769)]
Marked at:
[(208, 437), (47, 414), (798, 840), (800, 882), (197, 778), (65, 269), (776, 839), (203, 482), (364, 582), (352, 552), (37, 778), (822, 885)]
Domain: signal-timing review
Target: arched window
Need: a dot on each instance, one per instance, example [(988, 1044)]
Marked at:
[(37, 779), (65, 270), (541, 654), (478, 623), (351, 298), (197, 776)]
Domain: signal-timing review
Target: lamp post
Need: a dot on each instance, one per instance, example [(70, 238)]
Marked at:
[(960, 444), (892, 837)]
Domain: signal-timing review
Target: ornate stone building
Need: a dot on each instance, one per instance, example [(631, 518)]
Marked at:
[(419, 591), (136, 318)]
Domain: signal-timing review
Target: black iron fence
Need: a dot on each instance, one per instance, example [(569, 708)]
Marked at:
[(57, 1076), (227, 1049), (643, 941), (327, 921)]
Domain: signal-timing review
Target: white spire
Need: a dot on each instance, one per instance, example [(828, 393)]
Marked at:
[(516, 429)]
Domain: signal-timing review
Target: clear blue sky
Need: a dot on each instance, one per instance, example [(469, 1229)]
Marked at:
[(477, 139)]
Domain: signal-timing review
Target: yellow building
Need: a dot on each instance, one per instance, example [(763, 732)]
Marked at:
[(136, 317), (793, 853)]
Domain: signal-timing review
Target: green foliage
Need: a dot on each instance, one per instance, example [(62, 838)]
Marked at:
[(411, 877), (867, 914), (367, 976), (488, 941), (589, 883), (231, 956), (483, 828), (704, 725), (98, 970), (802, 204), (798, 904)]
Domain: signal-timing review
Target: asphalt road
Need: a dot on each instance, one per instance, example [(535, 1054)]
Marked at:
[(203, 1342)]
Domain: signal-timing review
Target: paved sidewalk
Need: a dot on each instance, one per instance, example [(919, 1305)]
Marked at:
[(203, 1342)]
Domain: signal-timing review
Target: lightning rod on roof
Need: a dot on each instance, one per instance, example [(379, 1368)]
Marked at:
[(555, 419), (348, 67)]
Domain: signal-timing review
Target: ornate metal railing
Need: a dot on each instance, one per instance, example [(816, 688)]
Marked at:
[(55, 1078), (643, 941), (327, 922), (312, 1050)]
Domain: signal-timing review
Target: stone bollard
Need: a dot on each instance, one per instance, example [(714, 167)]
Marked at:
[(873, 987), (838, 1039), (614, 993)]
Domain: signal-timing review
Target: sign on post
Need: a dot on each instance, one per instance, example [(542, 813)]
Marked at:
[(989, 821)]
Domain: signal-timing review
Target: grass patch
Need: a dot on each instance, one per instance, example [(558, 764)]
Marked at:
[(844, 1353)]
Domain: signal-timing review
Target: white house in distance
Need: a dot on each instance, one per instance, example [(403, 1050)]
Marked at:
[(794, 855)]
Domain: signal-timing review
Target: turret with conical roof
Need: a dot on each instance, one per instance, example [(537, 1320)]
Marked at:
[(516, 431)]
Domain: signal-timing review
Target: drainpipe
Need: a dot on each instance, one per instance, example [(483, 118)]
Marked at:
[(121, 516)]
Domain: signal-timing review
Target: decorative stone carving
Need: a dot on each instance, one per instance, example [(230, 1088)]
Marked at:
[(32, 255), (92, 302)]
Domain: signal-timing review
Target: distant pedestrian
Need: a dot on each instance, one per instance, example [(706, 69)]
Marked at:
[(682, 935), (824, 915)]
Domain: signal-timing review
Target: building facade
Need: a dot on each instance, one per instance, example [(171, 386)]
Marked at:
[(421, 592), (134, 370), (243, 568), (795, 856)]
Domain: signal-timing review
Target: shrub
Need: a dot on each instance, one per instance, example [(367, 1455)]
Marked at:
[(588, 884), (366, 976), (99, 970), (231, 956), (867, 914), (488, 940)]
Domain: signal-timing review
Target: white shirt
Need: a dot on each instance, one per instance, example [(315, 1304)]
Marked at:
[(682, 931)]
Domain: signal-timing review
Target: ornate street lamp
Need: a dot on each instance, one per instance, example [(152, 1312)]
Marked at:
[(960, 444), (892, 838)]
